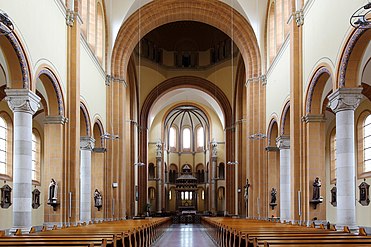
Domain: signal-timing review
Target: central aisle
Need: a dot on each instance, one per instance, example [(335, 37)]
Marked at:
[(182, 235)]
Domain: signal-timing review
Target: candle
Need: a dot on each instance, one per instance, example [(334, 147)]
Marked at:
[(72, 5)]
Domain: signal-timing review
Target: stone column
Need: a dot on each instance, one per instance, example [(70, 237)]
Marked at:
[(159, 176), (343, 102), (86, 147), (24, 104), (283, 143), (214, 153)]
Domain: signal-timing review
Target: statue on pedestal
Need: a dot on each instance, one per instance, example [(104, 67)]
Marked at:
[(52, 192), (97, 199)]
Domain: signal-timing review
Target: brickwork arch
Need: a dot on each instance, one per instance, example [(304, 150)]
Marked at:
[(212, 12)]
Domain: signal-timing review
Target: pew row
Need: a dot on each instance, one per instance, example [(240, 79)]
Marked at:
[(229, 232), (127, 233)]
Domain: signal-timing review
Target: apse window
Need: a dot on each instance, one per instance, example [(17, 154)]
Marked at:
[(367, 144), (186, 138), (200, 137), (172, 137)]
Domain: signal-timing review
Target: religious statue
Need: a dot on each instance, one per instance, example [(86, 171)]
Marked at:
[(52, 192), (273, 195), (97, 199), (316, 189), (246, 193), (214, 151), (158, 148)]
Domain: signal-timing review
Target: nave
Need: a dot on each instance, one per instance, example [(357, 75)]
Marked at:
[(185, 235)]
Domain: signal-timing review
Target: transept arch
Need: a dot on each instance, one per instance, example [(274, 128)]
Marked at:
[(214, 13)]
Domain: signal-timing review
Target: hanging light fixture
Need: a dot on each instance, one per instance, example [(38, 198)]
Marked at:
[(361, 18)]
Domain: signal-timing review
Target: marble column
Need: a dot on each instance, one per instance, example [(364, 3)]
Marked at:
[(86, 147), (24, 104), (343, 102), (283, 143)]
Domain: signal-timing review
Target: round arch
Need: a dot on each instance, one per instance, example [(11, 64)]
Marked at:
[(315, 89), (53, 90), (86, 118), (272, 128), (285, 120), (13, 47), (351, 57), (212, 12)]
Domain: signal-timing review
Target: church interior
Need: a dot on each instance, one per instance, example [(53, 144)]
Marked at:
[(203, 112)]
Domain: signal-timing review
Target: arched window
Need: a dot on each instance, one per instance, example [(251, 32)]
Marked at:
[(286, 16), (333, 156), (200, 137), (100, 33), (186, 138), (169, 195), (271, 36), (279, 24), (91, 23), (367, 144), (202, 194), (84, 16), (172, 137), (36, 154), (221, 171), (3, 146), (151, 193), (151, 171)]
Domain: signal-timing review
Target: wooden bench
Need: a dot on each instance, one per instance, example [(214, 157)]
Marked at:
[(127, 233), (245, 232)]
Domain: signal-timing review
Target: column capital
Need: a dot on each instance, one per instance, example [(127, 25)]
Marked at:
[(272, 149), (314, 118), (22, 100), (344, 99), (55, 120), (86, 143), (283, 142)]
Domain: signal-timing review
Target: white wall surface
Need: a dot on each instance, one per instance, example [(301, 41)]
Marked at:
[(92, 81), (42, 27), (278, 83), (325, 31)]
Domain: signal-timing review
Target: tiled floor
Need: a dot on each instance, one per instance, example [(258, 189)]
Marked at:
[(182, 235)]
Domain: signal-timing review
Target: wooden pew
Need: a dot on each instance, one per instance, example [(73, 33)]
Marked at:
[(127, 233), (245, 232)]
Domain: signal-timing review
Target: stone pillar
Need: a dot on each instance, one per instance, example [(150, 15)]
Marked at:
[(24, 104), (159, 176), (214, 154), (86, 147), (283, 143), (343, 102), (159, 184)]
